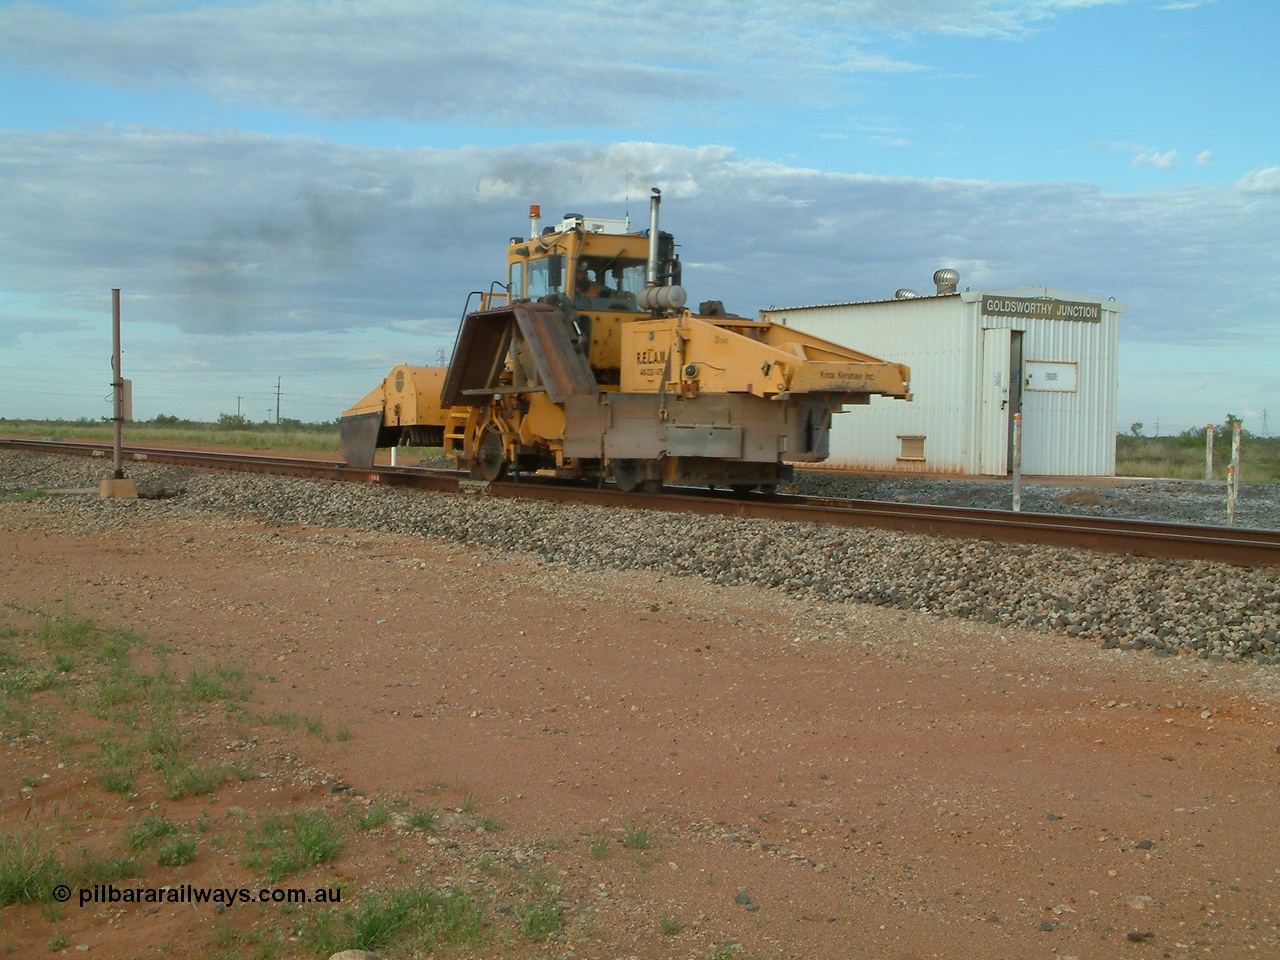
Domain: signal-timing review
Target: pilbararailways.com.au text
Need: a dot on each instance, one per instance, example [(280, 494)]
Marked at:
[(104, 893)]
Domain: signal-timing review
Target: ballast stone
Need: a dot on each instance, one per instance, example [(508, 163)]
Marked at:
[(1174, 607)]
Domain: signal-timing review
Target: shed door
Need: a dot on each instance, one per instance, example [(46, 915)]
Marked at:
[(993, 426)]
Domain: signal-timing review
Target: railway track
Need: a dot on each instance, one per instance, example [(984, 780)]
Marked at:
[(1145, 538)]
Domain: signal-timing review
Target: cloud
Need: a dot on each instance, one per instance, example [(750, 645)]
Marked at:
[(1144, 156), (449, 61), (231, 233), (859, 62), (436, 61), (1204, 158), (1266, 180), (1164, 161)]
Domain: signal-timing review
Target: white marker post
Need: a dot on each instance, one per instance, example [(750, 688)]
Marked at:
[(1208, 452), (1017, 462), (1235, 448), (1233, 475), (1231, 496)]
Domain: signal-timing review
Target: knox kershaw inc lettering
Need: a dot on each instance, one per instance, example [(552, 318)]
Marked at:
[(994, 305)]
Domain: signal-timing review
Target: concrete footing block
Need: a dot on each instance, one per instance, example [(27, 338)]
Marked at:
[(112, 488)]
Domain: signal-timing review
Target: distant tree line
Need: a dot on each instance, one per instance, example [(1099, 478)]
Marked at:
[(234, 421), (1194, 436)]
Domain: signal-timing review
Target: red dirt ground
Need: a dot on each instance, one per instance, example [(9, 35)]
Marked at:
[(818, 781)]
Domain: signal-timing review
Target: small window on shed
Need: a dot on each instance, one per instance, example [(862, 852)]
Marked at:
[(912, 446)]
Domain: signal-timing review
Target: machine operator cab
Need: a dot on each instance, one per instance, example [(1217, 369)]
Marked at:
[(598, 264), (603, 272)]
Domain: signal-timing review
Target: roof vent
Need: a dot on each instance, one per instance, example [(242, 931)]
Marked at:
[(904, 294), (946, 281)]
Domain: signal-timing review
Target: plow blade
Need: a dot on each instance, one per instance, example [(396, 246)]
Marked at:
[(358, 438)]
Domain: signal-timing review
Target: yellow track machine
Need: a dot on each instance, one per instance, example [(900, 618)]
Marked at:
[(587, 364)]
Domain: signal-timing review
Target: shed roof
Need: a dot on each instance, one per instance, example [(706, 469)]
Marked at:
[(967, 296)]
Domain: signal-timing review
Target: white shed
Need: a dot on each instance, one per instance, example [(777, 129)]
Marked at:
[(976, 359)]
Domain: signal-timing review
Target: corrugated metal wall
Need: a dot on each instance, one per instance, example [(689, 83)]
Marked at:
[(1073, 434), (940, 338), (931, 336)]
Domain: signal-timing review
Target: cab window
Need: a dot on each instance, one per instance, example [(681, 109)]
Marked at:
[(607, 282), (546, 276)]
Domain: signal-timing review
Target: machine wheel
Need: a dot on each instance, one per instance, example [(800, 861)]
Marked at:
[(626, 475), (490, 461)]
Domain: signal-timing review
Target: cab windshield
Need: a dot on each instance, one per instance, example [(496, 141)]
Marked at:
[(608, 282)]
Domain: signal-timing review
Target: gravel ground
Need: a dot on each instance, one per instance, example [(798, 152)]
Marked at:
[(1187, 608), (1176, 501)]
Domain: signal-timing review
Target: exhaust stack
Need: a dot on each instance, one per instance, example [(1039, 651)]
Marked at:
[(651, 267), (655, 296)]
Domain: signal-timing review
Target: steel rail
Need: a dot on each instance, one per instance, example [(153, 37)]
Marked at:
[(1240, 546)]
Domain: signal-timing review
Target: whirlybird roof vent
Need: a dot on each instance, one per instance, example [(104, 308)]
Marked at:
[(946, 280), (904, 294)]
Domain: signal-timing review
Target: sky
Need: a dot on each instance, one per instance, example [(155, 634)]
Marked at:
[(295, 196)]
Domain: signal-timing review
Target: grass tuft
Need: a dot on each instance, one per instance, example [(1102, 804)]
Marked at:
[(176, 852), (95, 868), (186, 779), (280, 847), (28, 870), (220, 683), (635, 838), (148, 830), (424, 916), (598, 847), (372, 817), (118, 766), (539, 922), (424, 819), (23, 496)]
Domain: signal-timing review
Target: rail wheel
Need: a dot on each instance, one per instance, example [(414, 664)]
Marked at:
[(490, 461), (626, 474)]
